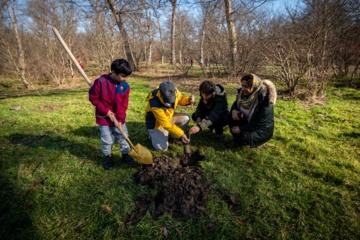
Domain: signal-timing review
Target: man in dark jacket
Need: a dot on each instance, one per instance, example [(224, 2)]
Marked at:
[(212, 111), (252, 114)]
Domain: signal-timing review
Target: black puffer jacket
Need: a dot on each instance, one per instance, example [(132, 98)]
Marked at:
[(213, 110)]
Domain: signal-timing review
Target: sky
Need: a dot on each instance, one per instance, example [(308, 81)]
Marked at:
[(280, 5)]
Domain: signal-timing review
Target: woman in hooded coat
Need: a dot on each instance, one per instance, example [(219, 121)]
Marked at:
[(252, 114)]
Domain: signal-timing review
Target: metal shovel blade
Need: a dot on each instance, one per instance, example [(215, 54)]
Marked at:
[(141, 154)]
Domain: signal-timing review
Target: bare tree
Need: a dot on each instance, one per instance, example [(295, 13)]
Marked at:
[(14, 52), (47, 60), (156, 9), (344, 49), (102, 38), (231, 34), (286, 51), (149, 34), (208, 16), (173, 14), (119, 20)]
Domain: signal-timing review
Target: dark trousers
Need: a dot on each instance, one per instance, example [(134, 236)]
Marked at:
[(218, 125), (241, 138)]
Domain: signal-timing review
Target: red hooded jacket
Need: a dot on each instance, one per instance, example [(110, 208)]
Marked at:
[(107, 94)]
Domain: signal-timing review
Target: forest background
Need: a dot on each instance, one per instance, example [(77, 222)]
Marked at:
[(303, 184), (306, 42)]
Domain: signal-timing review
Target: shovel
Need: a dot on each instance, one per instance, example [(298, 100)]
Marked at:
[(138, 152)]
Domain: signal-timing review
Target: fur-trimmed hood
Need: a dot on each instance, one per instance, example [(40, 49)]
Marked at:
[(270, 87)]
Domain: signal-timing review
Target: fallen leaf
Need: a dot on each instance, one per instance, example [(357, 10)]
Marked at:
[(240, 222), (40, 180), (36, 184), (107, 208)]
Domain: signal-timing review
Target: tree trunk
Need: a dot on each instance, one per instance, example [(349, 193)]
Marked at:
[(149, 54), (19, 63), (123, 32), (173, 59), (232, 35), (202, 41)]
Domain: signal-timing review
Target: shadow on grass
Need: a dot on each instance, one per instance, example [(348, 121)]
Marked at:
[(43, 93), (52, 141), (350, 135), (14, 212), (78, 143)]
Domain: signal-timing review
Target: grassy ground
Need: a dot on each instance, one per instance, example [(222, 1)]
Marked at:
[(303, 184)]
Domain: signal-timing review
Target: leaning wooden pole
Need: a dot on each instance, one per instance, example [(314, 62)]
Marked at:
[(57, 34)]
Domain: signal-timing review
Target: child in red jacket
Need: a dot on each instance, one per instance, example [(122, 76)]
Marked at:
[(110, 95)]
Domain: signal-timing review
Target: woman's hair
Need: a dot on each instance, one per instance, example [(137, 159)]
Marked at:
[(207, 87), (248, 78)]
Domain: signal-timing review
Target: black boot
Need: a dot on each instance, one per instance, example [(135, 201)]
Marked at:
[(126, 158), (108, 162), (219, 137)]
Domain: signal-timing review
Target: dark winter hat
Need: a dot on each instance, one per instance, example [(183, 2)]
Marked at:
[(168, 92)]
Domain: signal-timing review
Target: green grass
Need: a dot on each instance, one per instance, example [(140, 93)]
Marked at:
[(303, 184)]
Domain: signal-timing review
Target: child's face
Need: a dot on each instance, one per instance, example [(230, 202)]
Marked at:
[(120, 78)]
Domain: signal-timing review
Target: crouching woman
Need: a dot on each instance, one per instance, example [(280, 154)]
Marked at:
[(252, 114)]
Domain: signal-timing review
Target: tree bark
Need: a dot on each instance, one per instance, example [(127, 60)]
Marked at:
[(173, 58), (123, 32), (19, 62), (232, 35)]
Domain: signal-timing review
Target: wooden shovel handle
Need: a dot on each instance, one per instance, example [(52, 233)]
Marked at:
[(118, 126), (57, 34)]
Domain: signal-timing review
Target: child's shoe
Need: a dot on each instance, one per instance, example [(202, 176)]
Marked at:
[(108, 162), (126, 158), (219, 137)]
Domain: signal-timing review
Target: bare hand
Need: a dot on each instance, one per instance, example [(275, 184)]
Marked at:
[(191, 99), (235, 130), (110, 114), (236, 115), (184, 139), (198, 119), (194, 130)]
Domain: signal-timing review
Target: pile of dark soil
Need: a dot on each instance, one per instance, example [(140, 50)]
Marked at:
[(181, 188)]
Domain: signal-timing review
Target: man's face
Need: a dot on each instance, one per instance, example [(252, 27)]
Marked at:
[(206, 97)]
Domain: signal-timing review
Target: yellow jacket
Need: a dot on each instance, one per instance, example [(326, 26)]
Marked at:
[(158, 116)]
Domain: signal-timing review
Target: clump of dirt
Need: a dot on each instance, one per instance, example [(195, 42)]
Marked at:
[(182, 190)]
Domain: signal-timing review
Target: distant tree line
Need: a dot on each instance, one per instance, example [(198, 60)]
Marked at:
[(312, 42)]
